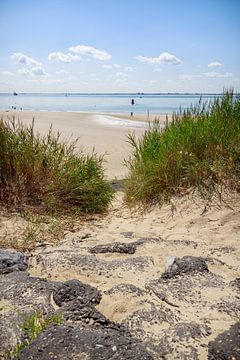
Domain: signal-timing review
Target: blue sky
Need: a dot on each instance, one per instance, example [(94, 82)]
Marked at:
[(119, 46)]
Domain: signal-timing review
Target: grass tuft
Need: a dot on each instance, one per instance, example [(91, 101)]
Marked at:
[(199, 149), (32, 328), (42, 172)]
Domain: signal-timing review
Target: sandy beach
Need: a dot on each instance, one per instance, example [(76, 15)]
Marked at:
[(106, 133), (157, 311)]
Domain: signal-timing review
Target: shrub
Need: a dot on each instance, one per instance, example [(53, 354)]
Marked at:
[(43, 172), (199, 148)]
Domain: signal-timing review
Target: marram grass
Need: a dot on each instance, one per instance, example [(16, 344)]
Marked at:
[(200, 149), (43, 172)]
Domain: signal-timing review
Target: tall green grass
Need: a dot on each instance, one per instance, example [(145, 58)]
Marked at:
[(199, 148), (43, 172)]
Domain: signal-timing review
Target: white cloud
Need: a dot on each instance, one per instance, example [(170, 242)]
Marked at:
[(65, 58), (214, 74), (90, 51), (157, 70), (215, 64), (165, 57), (36, 70), (24, 59), (7, 73), (111, 66)]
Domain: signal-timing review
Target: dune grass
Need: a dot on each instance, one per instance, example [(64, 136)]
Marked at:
[(199, 148), (32, 327), (45, 173)]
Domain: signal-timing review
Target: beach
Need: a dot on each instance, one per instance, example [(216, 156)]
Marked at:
[(105, 133), (126, 253)]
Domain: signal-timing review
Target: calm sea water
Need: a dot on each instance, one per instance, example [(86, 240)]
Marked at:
[(113, 103)]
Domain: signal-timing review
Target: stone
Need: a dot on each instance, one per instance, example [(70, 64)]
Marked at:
[(20, 296), (75, 311), (181, 341), (114, 248), (186, 264), (75, 289), (64, 342), (11, 260), (236, 283), (226, 346)]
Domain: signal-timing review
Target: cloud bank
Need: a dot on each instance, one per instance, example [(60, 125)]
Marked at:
[(23, 59), (164, 57), (64, 58), (90, 51), (214, 65)]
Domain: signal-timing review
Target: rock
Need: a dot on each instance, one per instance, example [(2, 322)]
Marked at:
[(181, 341), (65, 342), (75, 311), (125, 289), (186, 289), (114, 248), (20, 296), (12, 261), (236, 283), (226, 346), (91, 263), (76, 290), (186, 264), (169, 262)]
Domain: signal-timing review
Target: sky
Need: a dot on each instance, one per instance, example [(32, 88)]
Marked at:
[(119, 45)]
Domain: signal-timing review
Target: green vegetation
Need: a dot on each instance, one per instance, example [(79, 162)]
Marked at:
[(44, 173), (200, 149), (33, 327)]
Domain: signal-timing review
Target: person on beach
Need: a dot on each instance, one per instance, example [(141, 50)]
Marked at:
[(132, 103)]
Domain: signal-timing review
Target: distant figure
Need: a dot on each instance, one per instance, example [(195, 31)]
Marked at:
[(131, 114), (132, 101)]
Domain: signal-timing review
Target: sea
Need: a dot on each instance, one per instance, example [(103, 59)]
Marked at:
[(103, 103)]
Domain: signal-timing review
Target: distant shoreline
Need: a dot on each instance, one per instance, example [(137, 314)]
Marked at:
[(118, 94)]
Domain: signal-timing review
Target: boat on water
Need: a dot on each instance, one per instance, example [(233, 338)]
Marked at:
[(15, 94)]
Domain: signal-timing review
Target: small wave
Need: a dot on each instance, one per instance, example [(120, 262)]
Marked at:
[(115, 121)]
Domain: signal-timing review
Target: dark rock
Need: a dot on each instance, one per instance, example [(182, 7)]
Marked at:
[(75, 311), (91, 263), (186, 288), (12, 261), (65, 342), (126, 289), (186, 264), (141, 321), (226, 346), (236, 283), (21, 295), (181, 341), (114, 248), (75, 289)]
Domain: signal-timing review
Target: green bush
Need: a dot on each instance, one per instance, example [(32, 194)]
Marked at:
[(200, 148), (43, 172)]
